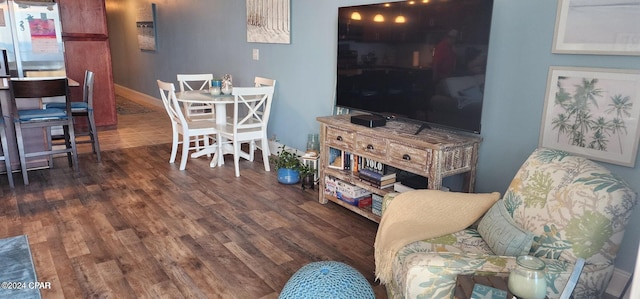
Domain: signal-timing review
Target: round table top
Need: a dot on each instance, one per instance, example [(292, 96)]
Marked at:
[(203, 96)]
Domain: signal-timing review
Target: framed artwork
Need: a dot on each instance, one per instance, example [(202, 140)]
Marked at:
[(146, 27), (593, 112), (609, 27), (268, 21)]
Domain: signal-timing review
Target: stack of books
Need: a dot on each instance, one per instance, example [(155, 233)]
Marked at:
[(377, 179), (376, 204)]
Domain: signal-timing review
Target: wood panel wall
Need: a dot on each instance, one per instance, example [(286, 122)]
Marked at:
[(86, 40)]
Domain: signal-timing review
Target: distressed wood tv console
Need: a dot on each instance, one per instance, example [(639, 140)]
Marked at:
[(433, 153)]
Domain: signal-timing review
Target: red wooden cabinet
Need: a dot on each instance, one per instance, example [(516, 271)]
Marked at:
[(86, 42)]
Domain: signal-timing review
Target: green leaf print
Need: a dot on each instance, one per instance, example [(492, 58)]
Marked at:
[(549, 244), (548, 155), (589, 233), (603, 181), (445, 240), (512, 202), (497, 260), (535, 193)]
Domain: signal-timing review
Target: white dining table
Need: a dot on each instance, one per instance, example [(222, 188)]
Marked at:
[(220, 102)]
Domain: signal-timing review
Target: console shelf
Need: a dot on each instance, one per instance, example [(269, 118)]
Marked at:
[(433, 153)]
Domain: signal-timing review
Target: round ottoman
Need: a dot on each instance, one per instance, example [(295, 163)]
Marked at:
[(327, 279)]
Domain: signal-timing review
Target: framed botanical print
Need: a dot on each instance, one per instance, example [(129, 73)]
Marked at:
[(593, 112)]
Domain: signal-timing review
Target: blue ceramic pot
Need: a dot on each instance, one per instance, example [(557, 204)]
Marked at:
[(288, 176)]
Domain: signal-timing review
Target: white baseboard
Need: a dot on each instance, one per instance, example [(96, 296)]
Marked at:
[(274, 148), (617, 284), (137, 96)]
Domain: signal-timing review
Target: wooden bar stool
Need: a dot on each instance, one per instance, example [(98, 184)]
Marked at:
[(5, 152), (43, 118), (84, 109)]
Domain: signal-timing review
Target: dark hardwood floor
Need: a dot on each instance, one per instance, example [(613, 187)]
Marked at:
[(134, 226)]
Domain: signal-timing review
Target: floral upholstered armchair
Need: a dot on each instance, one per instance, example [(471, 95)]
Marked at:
[(559, 207)]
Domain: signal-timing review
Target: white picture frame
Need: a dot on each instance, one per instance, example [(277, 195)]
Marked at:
[(269, 21), (606, 27), (593, 112)]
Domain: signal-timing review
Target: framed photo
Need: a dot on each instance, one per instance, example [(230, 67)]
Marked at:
[(146, 27), (269, 21), (336, 158), (609, 27), (593, 112)]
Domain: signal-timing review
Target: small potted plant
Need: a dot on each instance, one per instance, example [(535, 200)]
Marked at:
[(307, 176), (288, 165)]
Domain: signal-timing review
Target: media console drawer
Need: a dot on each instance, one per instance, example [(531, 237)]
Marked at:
[(371, 146), (342, 139), (416, 159)]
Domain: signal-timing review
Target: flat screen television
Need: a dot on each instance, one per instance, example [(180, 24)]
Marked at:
[(423, 61)]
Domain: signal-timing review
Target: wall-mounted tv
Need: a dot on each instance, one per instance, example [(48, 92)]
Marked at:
[(415, 60)]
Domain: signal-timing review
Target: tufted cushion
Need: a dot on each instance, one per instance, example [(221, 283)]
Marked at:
[(503, 236)]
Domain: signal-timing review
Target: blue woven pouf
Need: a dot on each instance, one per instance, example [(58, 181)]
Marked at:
[(328, 279)]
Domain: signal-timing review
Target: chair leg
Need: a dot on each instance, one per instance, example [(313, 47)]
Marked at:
[(67, 144), (265, 153), (95, 144), (47, 134), (207, 143), (174, 146), (22, 153), (265, 146), (196, 142), (7, 160), (186, 145), (236, 157), (72, 145), (252, 149)]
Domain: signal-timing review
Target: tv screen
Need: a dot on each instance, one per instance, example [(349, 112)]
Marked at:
[(415, 60)]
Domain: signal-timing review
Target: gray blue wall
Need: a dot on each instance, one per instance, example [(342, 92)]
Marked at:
[(210, 36)]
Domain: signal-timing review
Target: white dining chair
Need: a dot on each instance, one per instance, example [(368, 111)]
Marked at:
[(259, 82), (196, 111), (201, 129), (251, 109)]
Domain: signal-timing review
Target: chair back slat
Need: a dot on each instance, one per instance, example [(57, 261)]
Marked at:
[(39, 88), (261, 81), (187, 80), (256, 107), (171, 105)]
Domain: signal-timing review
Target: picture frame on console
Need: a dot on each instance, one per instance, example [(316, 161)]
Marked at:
[(606, 27), (593, 112)]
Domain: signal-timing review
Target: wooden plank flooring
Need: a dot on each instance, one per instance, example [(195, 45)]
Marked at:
[(134, 226)]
